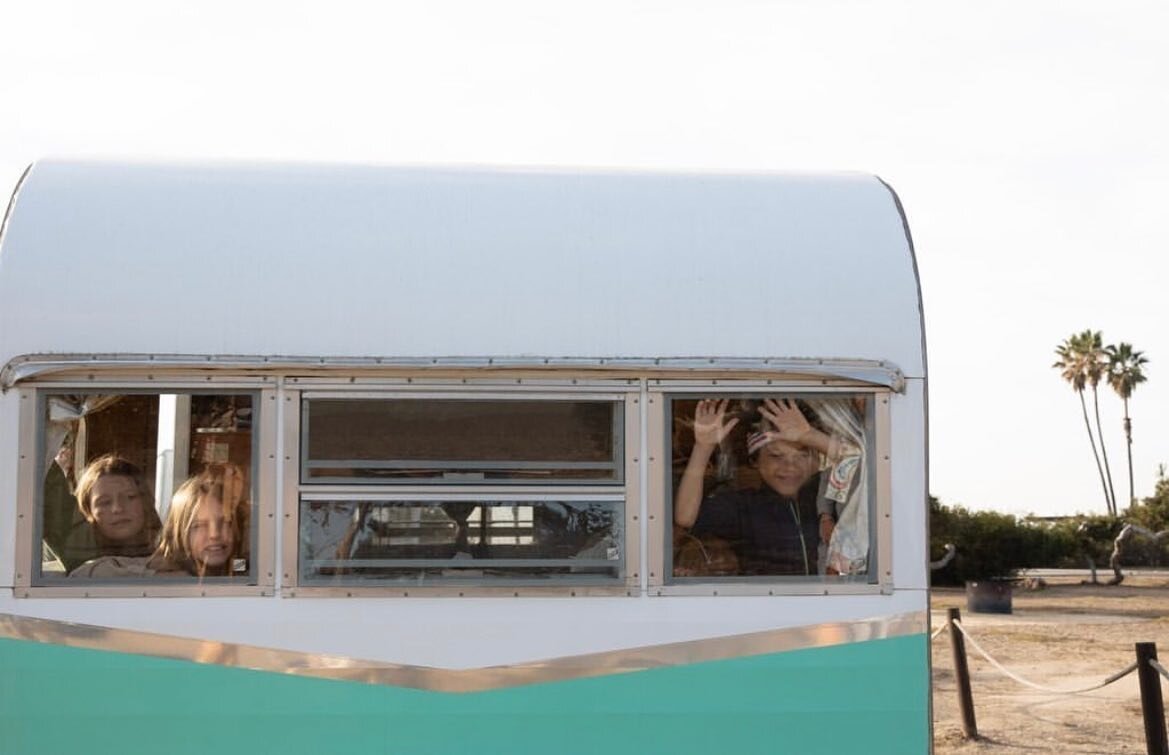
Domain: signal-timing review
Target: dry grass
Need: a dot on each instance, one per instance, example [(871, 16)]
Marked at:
[(1066, 635)]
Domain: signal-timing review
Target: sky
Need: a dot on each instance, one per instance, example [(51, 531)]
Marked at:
[(1028, 141)]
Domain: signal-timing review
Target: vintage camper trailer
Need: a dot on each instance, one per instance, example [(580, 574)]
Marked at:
[(365, 459)]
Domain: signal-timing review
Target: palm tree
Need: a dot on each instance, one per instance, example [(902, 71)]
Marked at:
[(1075, 365), (1096, 364), (1124, 374)]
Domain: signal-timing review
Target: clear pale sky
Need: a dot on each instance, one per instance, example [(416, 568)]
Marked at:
[(1029, 142)]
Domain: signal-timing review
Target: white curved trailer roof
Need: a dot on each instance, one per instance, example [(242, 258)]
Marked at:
[(371, 262)]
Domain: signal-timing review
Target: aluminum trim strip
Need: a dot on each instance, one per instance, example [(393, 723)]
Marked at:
[(29, 366), (459, 680), (608, 493), (461, 563), (453, 464)]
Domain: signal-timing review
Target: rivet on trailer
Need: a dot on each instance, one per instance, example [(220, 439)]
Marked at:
[(423, 459)]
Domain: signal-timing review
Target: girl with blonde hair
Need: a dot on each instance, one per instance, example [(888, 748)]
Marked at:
[(206, 528)]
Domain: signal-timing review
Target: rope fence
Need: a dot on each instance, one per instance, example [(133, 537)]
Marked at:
[(1146, 666), (1041, 687)]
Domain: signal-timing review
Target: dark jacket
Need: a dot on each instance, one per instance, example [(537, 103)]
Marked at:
[(771, 534)]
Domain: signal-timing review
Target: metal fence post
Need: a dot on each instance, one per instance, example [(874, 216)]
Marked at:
[(962, 676), (1152, 706)]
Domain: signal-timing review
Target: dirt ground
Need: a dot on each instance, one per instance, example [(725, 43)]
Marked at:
[(1065, 635)]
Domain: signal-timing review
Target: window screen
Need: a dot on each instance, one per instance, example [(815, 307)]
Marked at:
[(383, 441)]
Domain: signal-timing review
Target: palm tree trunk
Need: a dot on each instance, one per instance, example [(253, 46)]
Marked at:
[(1128, 437), (1095, 453), (1104, 453)]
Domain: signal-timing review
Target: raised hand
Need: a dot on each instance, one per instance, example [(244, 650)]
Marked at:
[(787, 419), (710, 424)]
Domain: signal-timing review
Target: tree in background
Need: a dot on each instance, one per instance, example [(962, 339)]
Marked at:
[(1081, 363), (1124, 374), (1145, 534), (1153, 512), (1096, 361)]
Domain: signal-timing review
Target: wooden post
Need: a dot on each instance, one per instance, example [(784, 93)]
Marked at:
[(962, 677), (1152, 706)]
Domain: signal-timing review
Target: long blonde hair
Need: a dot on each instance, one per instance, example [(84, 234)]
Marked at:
[(174, 549)]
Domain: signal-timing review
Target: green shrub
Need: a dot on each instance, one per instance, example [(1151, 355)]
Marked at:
[(991, 545), (1153, 512)]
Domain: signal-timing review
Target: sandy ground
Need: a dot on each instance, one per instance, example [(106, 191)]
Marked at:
[(1065, 635)]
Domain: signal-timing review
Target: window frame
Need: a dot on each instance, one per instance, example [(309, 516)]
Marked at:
[(33, 399), (625, 393), (660, 492), (647, 472)]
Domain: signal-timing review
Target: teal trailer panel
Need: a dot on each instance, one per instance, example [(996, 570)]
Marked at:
[(869, 697)]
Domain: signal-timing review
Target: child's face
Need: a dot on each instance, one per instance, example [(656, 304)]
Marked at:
[(209, 537), (116, 508), (785, 467)]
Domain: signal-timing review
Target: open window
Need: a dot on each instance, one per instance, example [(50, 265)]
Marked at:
[(462, 490)]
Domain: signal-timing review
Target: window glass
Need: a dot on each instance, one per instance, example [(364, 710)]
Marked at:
[(772, 486), (144, 486), (451, 441), (435, 542)]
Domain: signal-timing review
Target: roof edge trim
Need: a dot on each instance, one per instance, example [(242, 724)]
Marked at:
[(23, 368)]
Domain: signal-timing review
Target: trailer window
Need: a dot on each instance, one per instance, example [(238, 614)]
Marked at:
[(141, 486), (386, 441), (772, 486), (452, 490), (465, 541)]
